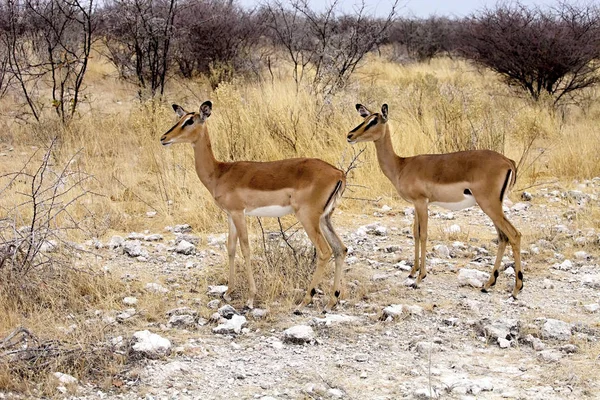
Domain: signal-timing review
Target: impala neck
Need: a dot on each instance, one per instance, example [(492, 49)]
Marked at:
[(206, 163), (387, 157)]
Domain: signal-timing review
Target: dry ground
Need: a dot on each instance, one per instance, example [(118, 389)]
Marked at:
[(440, 351)]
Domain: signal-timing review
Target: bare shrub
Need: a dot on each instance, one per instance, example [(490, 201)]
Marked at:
[(322, 46), (47, 41), (422, 39), (551, 52), (34, 246), (215, 36), (137, 35)]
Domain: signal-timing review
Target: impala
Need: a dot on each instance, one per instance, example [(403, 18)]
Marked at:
[(307, 187), (453, 181)]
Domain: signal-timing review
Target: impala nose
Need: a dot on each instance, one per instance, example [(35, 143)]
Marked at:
[(350, 137), (162, 140)]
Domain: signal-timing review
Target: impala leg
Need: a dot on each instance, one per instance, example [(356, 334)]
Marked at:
[(232, 239), (240, 224), (311, 225), (421, 214), (415, 268), (502, 241), (513, 236), (339, 254)]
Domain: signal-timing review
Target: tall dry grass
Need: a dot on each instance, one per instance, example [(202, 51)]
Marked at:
[(442, 106)]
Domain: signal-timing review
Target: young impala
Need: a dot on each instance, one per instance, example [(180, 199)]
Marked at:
[(308, 187), (454, 181)]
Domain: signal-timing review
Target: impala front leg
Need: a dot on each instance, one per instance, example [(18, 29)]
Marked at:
[(232, 239), (239, 221), (421, 214), (415, 268)]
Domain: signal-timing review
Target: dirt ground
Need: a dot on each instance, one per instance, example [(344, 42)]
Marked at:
[(449, 341)]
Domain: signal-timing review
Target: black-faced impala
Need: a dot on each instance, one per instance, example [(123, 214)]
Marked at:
[(453, 181), (307, 187)]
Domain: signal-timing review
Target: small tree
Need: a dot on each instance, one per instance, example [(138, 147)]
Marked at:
[(423, 39), (329, 46), (137, 35), (48, 40), (541, 51)]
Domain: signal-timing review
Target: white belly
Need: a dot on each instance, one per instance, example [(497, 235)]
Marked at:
[(468, 201), (270, 211)]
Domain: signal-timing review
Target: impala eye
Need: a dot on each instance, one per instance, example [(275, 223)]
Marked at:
[(371, 123), (188, 122)]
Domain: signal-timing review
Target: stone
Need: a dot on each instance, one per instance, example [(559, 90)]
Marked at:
[(331, 319), (218, 290), (185, 247), (526, 196), (335, 393), (454, 228), (396, 310), (65, 379), (556, 329), (156, 288), (216, 240), (182, 321), (426, 393), (472, 277), (48, 246), (258, 313), (569, 348), (213, 304), (233, 325), (115, 241), (441, 251), (361, 357), (130, 301), (155, 237), (183, 228), (299, 334), (227, 311), (425, 348), (503, 343), (150, 345), (592, 308), (506, 329), (582, 255), (134, 248), (550, 355), (126, 314), (566, 265), (188, 237)]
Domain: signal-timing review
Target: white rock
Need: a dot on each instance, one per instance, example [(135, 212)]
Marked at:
[(592, 308), (581, 255), (150, 345), (299, 334), (182, 228), (425, 348), (185, 247), (65, 379), (550, 355), (182, 311), (331, 319), (503, 343), (218, 290), (156, 288), (134, 248), (213, 304), (396, 310), (151, 214), (426, 393), (227, 311), (441, 251), (454, 228), (258, 313), (49, 246), (182, 321), (233, 325), (556, 329), (126, 314), (564, 266), (155, 237), (335, 393), (130, 301), (472, 277), (216, 240)]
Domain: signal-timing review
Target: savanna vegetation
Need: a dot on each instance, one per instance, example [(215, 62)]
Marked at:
[(86, 91)]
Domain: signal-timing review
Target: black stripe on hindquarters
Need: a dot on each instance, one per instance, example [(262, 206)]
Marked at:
[(506, 181), (337, 187)]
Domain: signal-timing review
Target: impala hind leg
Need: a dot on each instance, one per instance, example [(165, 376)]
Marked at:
[(422, 216), (513, 236), (240, 225), (232, 239), (339, 254), (311, 224)]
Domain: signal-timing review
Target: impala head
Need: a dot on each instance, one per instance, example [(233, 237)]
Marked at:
[(188, 127), (372, 128)]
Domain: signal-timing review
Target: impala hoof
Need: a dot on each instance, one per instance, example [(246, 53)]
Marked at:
[(227, 297), (484, 290), (414, 286), (298, 312)]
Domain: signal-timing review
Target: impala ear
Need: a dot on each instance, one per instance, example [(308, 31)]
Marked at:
[(384, 112), (205, 110), (179, 110), (363, 111)]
